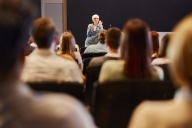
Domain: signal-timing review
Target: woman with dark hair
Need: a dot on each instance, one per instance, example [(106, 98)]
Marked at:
[(67, 48), (155, 44), (162, 59), (177, 112), (135, 60)]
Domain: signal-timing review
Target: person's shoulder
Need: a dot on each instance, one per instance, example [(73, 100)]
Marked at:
[(98, 58), (62, 60), (50, 98), (59, 108), (97, 61), (159, 72), (147, 106), (152, 109), (112, 66), (115, 63), (157, 61), (146, 113), (65, 63), (90, 48)]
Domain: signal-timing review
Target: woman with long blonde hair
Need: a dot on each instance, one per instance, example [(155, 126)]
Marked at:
[(67, 48)]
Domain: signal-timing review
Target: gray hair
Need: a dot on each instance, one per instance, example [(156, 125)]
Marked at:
[(95, 15)]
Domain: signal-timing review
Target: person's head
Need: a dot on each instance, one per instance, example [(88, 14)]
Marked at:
[(16, 17), (180, 53), (113, 37), (67, 44), (101, 36), (95, 18), (69, 31), (136, 49), (164, 45), (43, 32), (155, 42)]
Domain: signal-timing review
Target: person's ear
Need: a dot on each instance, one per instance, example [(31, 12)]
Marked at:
[(106, 43)]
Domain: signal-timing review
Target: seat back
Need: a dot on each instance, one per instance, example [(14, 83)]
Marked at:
[(92, 75), (85, 64), (90, 55), (74, 89), (115, 102), (82, 49)]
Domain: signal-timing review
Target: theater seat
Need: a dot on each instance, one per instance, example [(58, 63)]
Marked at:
[(85, 64), (92, 75), (82, 49), (115, 102), (74, 89), (89, 55)]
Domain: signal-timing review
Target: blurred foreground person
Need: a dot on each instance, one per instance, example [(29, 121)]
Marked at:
[(19, 106), (176, 113), (43, 65)]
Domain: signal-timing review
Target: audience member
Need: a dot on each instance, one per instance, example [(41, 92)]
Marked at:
[(93, 30), (43, 65), (135, 60), (112, 42), (76, 46), (19, 106), (155, 44), (176, 113), (162, 59), (67, 48), (100, 46)]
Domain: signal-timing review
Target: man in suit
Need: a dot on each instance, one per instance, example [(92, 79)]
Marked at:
[(112, 42), (20, 107)]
